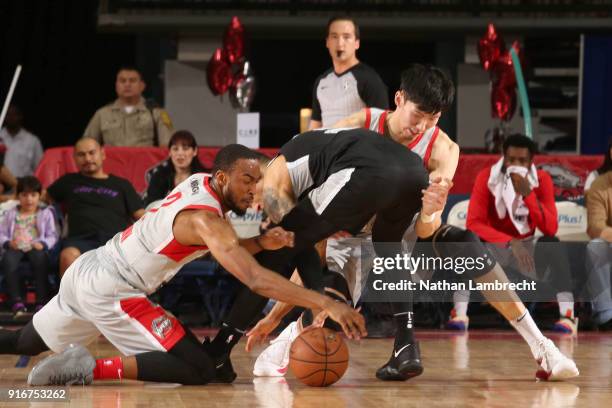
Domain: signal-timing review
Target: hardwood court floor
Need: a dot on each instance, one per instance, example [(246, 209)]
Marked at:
[(483, 369)]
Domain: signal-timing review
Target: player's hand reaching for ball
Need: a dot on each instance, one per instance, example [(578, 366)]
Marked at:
[(351, 321), (276, 238), (259, 333)]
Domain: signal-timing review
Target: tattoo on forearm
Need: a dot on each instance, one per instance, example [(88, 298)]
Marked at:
[(276, 206)]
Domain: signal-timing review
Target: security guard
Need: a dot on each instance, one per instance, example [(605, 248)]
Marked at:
[(129, 121)]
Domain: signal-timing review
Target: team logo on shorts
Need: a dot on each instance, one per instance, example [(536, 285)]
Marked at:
[(161, 326)]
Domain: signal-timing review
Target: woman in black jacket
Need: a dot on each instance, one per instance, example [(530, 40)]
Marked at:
[(182, 163)]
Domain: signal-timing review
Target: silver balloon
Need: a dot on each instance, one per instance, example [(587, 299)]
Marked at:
[(243, 90)]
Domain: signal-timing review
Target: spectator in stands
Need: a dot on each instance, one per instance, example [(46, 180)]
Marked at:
[(182, 163), (508, 202), (604, 168), (24, 150), (7, 181), (350, 85), (98, 205), (599, 253), (129, 121), (26, 232)]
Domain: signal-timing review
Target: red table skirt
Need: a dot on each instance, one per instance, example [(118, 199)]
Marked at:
[(128, 162), (568, 171)]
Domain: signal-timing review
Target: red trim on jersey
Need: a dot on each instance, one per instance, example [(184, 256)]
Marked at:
[(165, 328), (177, 251), (368, 119), (127, 232), (415, 141), (430, 147), (211, 191), (381, 122)]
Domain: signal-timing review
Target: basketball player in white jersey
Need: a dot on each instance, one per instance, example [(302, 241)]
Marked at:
[(105, 290), (425, 93)]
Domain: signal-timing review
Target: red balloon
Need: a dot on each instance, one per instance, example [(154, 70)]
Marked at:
[(502, 72), (233, 41), (490, 47), (219, 73), (503, 102)]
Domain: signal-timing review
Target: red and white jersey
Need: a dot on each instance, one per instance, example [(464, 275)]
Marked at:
[(146, 254), (421, 145)]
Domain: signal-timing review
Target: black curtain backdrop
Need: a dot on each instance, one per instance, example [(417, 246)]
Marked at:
[(286, 70), (68, 69)]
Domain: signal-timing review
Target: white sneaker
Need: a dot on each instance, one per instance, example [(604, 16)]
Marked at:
[(274, 360), (554, 365)]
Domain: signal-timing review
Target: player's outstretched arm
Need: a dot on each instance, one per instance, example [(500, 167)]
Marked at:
[(263, 328), (357, 119), (206, 228)]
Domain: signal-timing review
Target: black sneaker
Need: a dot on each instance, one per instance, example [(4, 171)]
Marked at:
[(224, 372), (404, 364)]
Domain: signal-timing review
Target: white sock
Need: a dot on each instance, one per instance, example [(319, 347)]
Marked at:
[(529, 331), (461, 299), (566, 302)]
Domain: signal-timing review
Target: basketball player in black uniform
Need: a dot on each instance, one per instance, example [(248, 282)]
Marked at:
[(323, 182)]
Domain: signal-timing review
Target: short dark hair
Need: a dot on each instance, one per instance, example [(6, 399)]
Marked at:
[(342, 18), (230, 154), (520, 140), (263, 159), (430, 88), (28, 184), (130, 68)]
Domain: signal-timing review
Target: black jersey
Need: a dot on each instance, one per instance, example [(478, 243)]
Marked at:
[(315, 155), (336, 96)]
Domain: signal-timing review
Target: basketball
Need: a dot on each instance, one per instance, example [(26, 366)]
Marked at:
[(319, 357)]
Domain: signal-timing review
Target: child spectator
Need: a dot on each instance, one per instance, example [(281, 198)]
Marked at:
[(27, 231)]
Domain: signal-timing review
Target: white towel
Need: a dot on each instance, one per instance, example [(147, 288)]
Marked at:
[(506, 199)]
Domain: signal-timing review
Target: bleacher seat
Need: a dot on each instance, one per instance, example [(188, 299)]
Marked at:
[(457, 216), (572, 219)]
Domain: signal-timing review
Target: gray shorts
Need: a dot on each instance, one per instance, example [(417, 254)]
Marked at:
[(94, 299)]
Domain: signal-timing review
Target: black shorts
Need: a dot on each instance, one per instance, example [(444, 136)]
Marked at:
[(344, 182), (369, 177), (87, 242)]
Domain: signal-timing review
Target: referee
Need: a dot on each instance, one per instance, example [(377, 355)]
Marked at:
[(350, 85)]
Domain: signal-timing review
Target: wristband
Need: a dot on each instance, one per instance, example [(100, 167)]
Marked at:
[(427, 219)]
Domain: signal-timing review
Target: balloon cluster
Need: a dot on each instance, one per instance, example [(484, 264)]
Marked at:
[(496, 59), (229, 70)]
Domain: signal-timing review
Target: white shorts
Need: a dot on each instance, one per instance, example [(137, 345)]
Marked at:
[(94, 299)]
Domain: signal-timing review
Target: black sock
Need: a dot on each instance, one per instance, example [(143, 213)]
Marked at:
[(225, 340), (8, 341), (185, 363), (404, 326)]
